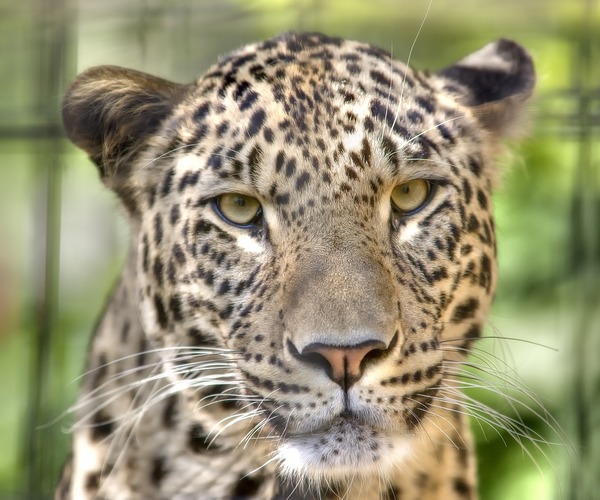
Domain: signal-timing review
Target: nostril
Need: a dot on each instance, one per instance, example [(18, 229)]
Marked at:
[(311, 358), (342, 364)]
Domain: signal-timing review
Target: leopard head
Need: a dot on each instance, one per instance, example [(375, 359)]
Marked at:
[(312, 234)]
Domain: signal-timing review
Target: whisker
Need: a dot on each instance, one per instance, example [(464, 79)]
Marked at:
[(408, 59)]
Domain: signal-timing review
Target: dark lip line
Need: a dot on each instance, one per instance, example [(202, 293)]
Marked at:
[(344, 418)]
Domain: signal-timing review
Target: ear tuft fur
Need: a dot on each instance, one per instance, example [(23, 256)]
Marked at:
[(109, 111), (496, 82)]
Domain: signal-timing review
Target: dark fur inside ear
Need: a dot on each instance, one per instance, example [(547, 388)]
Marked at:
[(109, 111), (496, 81)]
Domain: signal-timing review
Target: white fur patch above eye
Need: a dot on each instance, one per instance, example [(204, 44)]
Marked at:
[(409, 231), (249, 244)]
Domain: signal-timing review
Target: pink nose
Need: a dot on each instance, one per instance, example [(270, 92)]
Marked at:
[(343, 364)]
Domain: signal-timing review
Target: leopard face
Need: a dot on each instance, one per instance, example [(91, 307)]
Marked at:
[(313, 246)]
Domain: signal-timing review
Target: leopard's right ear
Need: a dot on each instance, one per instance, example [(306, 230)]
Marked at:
[(495, 82), (110, 111)]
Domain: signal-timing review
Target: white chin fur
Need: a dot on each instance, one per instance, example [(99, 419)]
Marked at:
[(343, 452)]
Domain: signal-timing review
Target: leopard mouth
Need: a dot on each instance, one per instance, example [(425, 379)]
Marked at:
[(348, 446)]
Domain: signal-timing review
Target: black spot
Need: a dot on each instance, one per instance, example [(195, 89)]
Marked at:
[(167, 182), (157, 269), (175, 307), (228, 79), (302, 181), (473, 333), (279, 161), (432, 371), (249, 100), (268, 135), (201, 112), (290, 168), (224, 287), (485, 274), (158, 471), (125, 332), (381, 79), (161, 314), (422, 480), (466, 310), (222, 129), (197, 439), (474, 166), (215, 161), (438, 274), (425, 103), (199, 134), (247, 487), (239, 61), (145, 253), (92, 482), (258, 72), (178, 253), (468, 192), (482, 199), (174, 217), (254, 160), (102, 426), (222, 395), (170, 412), (379, 110), (189, 179), (158, 229), (390, 150), (473, 224), (461, 450), (142, 351), (445, 133), (414, 117), (256, 122), (461, 487), (282, 199), (200, 338)]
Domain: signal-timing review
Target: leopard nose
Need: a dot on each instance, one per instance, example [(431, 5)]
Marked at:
[(343, 364)]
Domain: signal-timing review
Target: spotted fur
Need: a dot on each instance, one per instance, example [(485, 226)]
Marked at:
[(314, 351)]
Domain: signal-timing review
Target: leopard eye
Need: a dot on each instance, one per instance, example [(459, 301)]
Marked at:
[(238, 209), (409, 197)]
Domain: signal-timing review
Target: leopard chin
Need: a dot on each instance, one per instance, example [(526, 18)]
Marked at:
[(347, 450)]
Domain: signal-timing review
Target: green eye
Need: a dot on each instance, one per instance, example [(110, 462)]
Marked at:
[(410, 196), (238, 209)]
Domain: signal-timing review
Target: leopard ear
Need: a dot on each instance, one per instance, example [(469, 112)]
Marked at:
[(109, 112), (496, 81)]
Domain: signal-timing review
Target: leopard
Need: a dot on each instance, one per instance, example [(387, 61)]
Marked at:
[(312, 256)]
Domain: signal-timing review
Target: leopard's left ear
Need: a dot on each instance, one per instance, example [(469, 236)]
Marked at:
[(110, 113), (496, 81)]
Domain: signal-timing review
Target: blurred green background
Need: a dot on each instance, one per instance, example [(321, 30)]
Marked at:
[(62, 239)]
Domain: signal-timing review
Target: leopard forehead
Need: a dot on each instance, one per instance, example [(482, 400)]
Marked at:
[(307, 112)]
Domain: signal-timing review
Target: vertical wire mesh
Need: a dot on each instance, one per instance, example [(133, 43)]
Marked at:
[(584, 265), (53, 49)]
